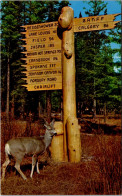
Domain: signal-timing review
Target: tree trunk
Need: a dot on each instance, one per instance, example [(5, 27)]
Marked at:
[(94, 101), (105, 113), (94, 108), (39, 108), (48, 105), (12, 108), (8, 89)]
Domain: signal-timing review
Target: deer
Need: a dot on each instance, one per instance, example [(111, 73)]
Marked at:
[(34, 146)]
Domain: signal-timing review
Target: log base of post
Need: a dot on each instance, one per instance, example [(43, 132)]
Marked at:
[(57, 151), (74, 141)]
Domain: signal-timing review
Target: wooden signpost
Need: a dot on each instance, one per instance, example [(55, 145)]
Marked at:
[(94, 23), (42, 57), (44, 48), (50, 65)]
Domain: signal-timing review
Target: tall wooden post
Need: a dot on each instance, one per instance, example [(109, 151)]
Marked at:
[(68, 63)]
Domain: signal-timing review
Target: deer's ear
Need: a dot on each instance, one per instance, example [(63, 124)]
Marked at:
[(45, 126), (46, 123), (52, 123)]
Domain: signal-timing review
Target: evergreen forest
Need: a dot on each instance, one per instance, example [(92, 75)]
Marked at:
[(98, 75)]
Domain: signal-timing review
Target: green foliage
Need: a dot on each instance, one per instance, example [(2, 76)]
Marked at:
[(96, 7), (96, 76), (10, 41), (14, 15)]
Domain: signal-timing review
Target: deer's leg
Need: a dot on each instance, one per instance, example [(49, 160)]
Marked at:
[(5, 164), (34, 160), (17, 166), (37, 167)]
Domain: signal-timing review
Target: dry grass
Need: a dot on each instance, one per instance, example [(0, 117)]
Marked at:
[(98, 173), (106, 153), (110, 120)]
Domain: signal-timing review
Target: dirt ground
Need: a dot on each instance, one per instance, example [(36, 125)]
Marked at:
[(98, 172)]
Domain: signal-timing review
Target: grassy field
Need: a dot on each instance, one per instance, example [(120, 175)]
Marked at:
[(98, 172)]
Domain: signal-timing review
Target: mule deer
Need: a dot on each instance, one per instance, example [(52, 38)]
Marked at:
[(34, 146)]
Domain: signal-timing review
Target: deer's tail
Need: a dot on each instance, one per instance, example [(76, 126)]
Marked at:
[(7, 149)]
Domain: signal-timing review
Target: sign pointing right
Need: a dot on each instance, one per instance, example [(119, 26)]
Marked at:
[(93, 23), (94, 27)]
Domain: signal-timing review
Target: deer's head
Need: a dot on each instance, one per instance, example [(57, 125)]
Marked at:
[(50, 128)]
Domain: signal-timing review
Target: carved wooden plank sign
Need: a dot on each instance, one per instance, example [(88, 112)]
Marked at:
[(42, 39), (38, 87), (43, 80), (44, 53), (43, 32), (43, 50), (44, 66), (95, 26), (43, 73), (43, 57), (47, 45), (94, 19), (94, 23), (47, 25)]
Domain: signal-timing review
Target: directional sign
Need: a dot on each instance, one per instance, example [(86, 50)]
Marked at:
[(94, 19), (76, 21), (44, 53), (44, 83), (47, 25), (94, 23), (37, 33), (44, 66), (47, 45), (43, 57), (95, 26), (43, 50), (38, 87), (42, 39), (42, 73), (43, 80), (37, 59)]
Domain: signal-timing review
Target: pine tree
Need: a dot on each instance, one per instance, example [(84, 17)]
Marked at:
[(95, 68), (115, 96), (14, 15), (10, 45)]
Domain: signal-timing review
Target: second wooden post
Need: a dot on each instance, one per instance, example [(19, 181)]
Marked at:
[(68, 64)]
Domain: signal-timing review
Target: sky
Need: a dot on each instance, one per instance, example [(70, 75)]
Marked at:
[(113, 7)]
